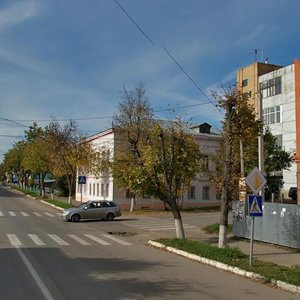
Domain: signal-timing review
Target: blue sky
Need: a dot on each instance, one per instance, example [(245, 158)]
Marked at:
[(69, 59)]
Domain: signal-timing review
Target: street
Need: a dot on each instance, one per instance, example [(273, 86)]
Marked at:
[(43, 257)]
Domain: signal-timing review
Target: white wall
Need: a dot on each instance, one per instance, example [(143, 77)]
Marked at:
[(288, 126)]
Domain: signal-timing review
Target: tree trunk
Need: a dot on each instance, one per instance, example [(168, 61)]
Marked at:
[(178, 221), (226, 177), (133, 203)]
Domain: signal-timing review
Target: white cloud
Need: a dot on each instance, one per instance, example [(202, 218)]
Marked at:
[(17, 13)]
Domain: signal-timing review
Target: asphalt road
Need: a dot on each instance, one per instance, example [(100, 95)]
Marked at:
[(42, 257)]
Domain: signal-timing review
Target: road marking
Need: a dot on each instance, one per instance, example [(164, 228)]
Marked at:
[(78, 239), (36, 239), (48, 214), (1, 213), (35, 275), (12, 213), (116, 239), (58, 240), (24, 214), (37, 214), (96, 239), (14, 240)]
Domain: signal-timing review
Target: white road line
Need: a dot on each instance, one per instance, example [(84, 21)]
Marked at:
[(12, 213), (37, 214), (58, 240), (78, 239), (116, 239), (35, 276), (96, 239), (48, 214), (36, 239), (1, 213), (24, 214), (14, 240)]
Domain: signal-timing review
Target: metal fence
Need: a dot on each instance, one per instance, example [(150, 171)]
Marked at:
[(279, 225)]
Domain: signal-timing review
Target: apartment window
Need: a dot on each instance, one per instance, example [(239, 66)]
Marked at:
[(272, 115), (270, 87), (192, 192), (98, 186), (205, 163), (93, 189), (206, 193), (107, 190), (279, 141), (245, 82), (90, 189), (102, 189)]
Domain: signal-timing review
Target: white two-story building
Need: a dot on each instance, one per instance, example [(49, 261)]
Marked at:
[(202, 191)]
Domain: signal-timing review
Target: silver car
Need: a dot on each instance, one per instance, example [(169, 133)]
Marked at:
[(107, 210)]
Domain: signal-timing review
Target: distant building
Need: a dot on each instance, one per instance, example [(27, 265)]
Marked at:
[(278, 89), (201, 192)]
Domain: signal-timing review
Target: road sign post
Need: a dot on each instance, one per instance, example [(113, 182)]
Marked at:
[(81, 181), (256, 181)]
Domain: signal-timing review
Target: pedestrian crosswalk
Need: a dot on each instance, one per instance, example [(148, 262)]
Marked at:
[(156, 224), (27, 214), (55, 240)]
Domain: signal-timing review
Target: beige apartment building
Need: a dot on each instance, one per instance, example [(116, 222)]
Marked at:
[(275, 92)]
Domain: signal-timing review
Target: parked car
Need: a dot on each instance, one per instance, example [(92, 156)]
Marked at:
[(107, 210), (293, 193)]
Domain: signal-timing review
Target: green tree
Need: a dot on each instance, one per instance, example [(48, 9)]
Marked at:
[(239, 126), (13, 161), (131, 123), (158, 158), (67, 152), (36, 155)]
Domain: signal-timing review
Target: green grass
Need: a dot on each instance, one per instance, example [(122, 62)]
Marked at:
[(59, 203), (33, 193), (214, 228), (234, 257)]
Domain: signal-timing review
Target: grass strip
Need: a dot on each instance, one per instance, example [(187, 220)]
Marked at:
[(59, 203), (234, 257), (214, 228)]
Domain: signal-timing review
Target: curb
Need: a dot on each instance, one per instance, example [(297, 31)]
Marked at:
[(57, 207), (254, 276)]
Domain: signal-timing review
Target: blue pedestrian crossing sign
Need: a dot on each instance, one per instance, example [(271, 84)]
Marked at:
[(81, 179), (255, 206)]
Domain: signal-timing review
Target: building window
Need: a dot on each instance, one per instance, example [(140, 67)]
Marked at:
[(102, 189), (107, 190), (272, 115), (97, 189), (93, 189), (270, 87), (90, 189), (206, 193), (205, 163), (279, 141), (192, 192), (245, 82)]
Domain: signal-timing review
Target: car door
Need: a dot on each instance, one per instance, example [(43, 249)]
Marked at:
[(89, 211)]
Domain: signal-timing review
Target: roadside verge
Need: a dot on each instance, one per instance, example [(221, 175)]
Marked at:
[(277, 283)]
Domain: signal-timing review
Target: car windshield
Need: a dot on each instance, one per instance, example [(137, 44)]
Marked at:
[(82, 205)]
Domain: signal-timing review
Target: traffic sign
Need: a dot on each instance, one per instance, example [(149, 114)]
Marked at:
[(81, 179), (255, 180), (255, 206)]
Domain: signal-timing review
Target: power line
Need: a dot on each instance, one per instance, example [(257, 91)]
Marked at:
[(169, 54), (104, 117), (12, 121), (132, 20)]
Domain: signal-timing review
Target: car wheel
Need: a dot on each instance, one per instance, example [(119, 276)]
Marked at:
[(75, 218), (110, 217)]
